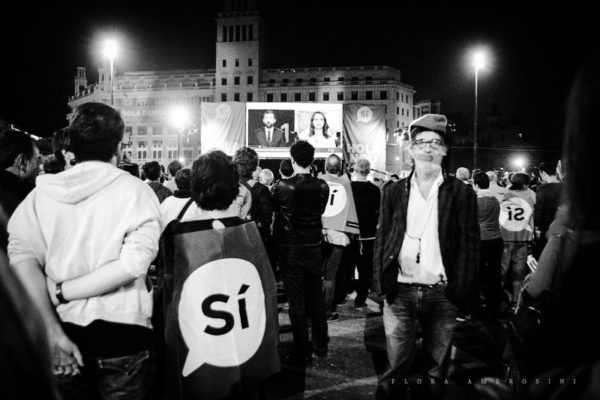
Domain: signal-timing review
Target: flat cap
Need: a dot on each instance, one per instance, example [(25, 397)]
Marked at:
[(430, 122)]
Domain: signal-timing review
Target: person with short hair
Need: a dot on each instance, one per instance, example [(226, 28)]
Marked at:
[(93, 231), (268, 135), (261, 210), (299, 203), (266, 177), (19, 166), (153, 174), (516, 226), (285, 169), (491, 244), (366, 197), (172, 205), (173, 167), (463, 174), (426, 256), (548, 198)]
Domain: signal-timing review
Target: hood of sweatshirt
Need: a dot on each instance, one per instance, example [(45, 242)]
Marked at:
[(80, 182)]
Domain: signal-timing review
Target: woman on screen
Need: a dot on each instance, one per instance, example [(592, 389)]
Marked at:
[(318, 133)]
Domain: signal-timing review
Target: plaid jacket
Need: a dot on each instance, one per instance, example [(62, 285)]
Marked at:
[(458, 230)]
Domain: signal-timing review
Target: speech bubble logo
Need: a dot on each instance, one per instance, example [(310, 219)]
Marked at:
[(223, 111), (364, 114), (337, 199), (515, 214), (222, 314)]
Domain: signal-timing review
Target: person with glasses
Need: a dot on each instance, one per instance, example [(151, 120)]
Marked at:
[(426, 256)]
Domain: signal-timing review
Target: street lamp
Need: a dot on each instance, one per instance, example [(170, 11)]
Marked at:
[(478, 63), (110, 51), (181, 119)]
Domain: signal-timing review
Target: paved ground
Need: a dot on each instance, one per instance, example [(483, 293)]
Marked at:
[(357, 356)]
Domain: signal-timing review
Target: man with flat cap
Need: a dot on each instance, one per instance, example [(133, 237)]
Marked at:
[(426, 255)]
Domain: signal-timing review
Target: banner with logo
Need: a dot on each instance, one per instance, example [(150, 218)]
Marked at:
[(340, 212), (221, 325), (222, 126), (364, 134)]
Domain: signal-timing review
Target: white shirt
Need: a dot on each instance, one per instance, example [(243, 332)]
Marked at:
[(269, 134), (421, 237)]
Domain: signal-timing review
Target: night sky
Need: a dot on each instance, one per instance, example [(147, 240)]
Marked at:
[(536, 51)]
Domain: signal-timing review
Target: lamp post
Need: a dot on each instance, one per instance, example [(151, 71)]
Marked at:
[(181, 119), (478, 63), (110, 51)]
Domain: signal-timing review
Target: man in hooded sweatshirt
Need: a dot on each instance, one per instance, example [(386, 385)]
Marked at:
[(82, 242)]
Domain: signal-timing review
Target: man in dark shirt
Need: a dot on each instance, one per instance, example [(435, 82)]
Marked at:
[(299, 203), (19, 165), (366, 197), (152, 171), (547, 201)]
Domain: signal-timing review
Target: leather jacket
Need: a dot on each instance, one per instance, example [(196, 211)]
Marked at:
[(299, 203)]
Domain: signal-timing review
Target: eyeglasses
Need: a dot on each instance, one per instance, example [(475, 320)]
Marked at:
[(434, 143)]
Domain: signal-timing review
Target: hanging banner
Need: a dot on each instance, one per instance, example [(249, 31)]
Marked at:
[(221, 325), (364, 134), (222, 126), (340, 212)]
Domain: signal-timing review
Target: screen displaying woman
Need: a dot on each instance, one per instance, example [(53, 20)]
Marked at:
[(318, 134)]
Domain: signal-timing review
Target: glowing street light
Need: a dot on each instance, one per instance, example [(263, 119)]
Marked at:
[(110, 50), (519, 163), (479, 62), (181, 119)]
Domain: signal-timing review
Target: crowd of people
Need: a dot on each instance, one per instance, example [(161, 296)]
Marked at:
[(432, 250)]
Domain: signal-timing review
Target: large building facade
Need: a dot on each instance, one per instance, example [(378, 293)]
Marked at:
[(145, 98)]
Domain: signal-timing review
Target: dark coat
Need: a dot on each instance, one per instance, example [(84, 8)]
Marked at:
[(458, 231)]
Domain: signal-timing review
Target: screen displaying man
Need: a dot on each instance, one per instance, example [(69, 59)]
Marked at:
[(268, 135)]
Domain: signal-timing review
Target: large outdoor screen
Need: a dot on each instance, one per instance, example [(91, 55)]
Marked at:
[(273, 127)]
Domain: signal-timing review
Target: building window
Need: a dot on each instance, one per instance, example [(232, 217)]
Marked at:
[(326, 79), (283, 97), (128, 130), (298, 80), (224, 81), (270, 97), (311, 96), (354, 95), (244, 35), (354, 79), (224, 33), (142, 130), (340, 96), (403, 112), (236, 80), (271, 81), (156, 143), (297, 96), (236, 97), (408, 113), (368, 78), (313, 79), (325, 96), (397, 124), (369, 95), (251, 32), (249, 62), (249, 96), (237, 62), (157, 130), (231, 33), (237, 33), (397, 110), (223, 96), (285, 80), (340, 78), (383, 95), (224, 63), (397, 95), (250, 80)]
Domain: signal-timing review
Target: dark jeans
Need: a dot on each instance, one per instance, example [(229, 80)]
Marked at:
[(127, 377), (361, 255), (437, 316), (301, 266), (490, 274), (332, 258)]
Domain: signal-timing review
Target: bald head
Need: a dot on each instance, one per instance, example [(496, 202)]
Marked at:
[(463, 174), (333, 165)]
